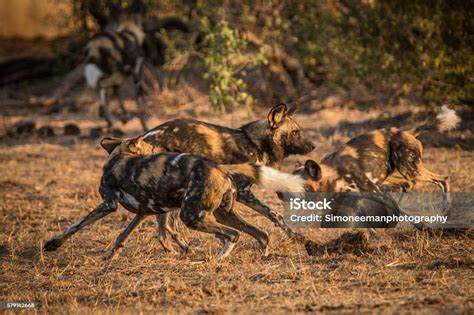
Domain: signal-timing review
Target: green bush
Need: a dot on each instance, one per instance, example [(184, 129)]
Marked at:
[(223, 46), (420, 49)]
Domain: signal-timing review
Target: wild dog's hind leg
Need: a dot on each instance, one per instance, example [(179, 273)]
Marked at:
[(234, 220), (104, 107), (427, 176), (424, 175), (205, 221), (201, 199), (105, 208), (247, 198), (140, 99), (167, 230), (125, 233), (163, 236), (123, 111), (398, 182), (142, 112)]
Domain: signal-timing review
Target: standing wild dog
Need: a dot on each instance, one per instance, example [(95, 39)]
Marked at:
[(267, 142), (384, 156), (114, 55), (148, 184)]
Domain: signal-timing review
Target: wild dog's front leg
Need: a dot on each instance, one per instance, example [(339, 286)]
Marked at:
[(247, 198), (163, 236), (108, 206), (105, 208), (124, 235)]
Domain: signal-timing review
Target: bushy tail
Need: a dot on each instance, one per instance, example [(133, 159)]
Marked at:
[(266, 177), (446, 120)]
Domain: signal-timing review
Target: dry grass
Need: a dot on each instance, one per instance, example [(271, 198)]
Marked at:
[(47, 184)]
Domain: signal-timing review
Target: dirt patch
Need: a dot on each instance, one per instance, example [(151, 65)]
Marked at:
[(349, 242)]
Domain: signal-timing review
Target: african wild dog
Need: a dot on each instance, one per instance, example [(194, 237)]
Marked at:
[(148, 184), (267, 142), (368, 162), (371, 160), (114, 55)]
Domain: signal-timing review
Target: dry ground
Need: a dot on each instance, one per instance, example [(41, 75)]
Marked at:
[(47, 184)]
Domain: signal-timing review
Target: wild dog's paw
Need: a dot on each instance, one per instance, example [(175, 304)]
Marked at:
[(166, 244), (313, 248), (446, 204), (52, 244), (186, 249), (226, 250), (265, 251), (264, 240)]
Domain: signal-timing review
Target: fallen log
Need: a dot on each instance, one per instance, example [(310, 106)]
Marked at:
[(73, 78), (13, 71)]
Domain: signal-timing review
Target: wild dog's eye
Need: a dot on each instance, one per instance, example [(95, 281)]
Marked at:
[(295, 132)]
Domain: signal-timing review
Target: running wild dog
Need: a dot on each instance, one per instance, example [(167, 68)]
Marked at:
[(385, 156), (266, 142), (149, 184), (114, 55)]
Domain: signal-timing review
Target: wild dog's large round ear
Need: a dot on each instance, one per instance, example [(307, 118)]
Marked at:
[(293, 109), (313, 169), (109, 143), (276, 115)]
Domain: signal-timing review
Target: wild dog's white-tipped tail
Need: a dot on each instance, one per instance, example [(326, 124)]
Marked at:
[(447, 119), (92, 73), (270, 178), (267, 177)]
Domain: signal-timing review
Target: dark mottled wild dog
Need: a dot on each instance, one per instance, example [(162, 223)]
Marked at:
[(372, 160), (114, 55), (148, 184), (267, 142)]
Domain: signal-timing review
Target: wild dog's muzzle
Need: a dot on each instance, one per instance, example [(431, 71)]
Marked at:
[(304, 147)]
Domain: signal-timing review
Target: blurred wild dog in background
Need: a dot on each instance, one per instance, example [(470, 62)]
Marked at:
[(116, 54)]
